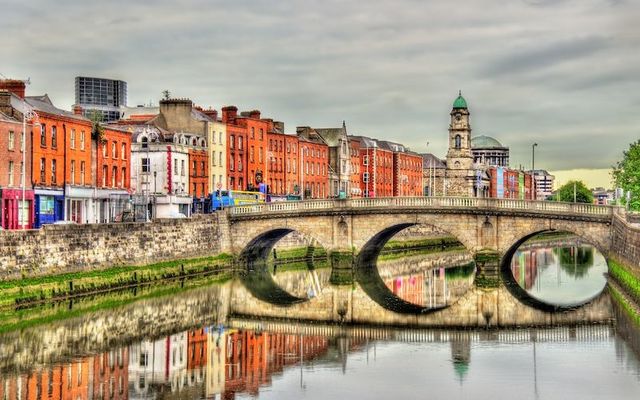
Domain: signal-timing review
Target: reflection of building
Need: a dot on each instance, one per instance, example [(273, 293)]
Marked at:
[(461, 354), (154, 365), (216, 363), (409, 288), (111, 375)]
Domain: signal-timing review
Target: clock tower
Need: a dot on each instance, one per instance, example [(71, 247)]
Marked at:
[(459, 174), (459, 156)]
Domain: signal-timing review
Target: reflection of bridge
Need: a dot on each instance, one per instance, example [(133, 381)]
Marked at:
[(367, 223), (585, 333)]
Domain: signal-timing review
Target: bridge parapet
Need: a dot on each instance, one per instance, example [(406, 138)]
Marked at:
[(454, 203)]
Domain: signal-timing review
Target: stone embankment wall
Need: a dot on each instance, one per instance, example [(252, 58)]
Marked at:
[(69, 248), (625, 244)]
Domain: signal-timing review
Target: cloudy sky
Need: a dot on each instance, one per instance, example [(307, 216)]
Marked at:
[(562, 73)]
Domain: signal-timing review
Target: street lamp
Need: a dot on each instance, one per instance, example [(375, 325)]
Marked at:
[(27, 113), (533, 169)]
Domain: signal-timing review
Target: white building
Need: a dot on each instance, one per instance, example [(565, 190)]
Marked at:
[(217, 137), (543, 183), (160, 170)]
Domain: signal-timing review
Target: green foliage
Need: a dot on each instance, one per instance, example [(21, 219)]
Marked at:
[(97, 130), (626, 174), (629, 281), (575, 261), (582, 192), (166, 95)]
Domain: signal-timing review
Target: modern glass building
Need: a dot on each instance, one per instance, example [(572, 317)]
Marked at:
[(102, 95)]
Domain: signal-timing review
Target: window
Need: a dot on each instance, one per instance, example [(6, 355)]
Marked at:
[(10, 173), (365, 160), (251, 150), (220, 137), (81, 140), (365, 177), (123, 177), (145, 165), (42, 170), (232, 162), (145, 142), (123, 153), (232, 139), (175, 166), (11, 140), (54, 136), (182, 167), (82, 172), (220, 159), (260, 155), (73, 172), (253, 132), (114, 150), (104, 150), (72, 139), (261, 132), (43, 135), (240, 163), (239, 142), (194, 170), (114, 176), (458, 140), (53, 172), (104, 175), (202, 168)]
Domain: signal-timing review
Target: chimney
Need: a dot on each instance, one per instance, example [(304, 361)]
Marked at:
[(15, 86), (279, 125), (77, 110), (254, 114), (211, 113), (229, 114)]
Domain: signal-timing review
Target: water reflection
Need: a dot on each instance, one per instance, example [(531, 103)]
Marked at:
[(561, 272), (286, 361)]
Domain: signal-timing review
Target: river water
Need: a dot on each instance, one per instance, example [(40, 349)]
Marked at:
[(191, 345)]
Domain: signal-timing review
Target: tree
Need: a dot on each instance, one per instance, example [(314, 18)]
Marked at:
[(582, 192), (97, 131), (166, 95), (626, 174)]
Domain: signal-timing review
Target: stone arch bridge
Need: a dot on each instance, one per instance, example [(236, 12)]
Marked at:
[(362, 226)]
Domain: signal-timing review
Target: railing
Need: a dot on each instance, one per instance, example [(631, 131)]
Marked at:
[(428, 202)]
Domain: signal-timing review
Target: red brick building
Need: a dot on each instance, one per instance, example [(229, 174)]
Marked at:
[(256, 130), (507, 183), (355, 167), (236, 145), (276, 160), (196, 349), (198, 168), (292, 165), (14, 213), (111, 375), (314, 163), (407, 174)]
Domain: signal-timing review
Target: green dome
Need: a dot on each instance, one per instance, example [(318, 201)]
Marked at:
[(460, 102), (485, 142)]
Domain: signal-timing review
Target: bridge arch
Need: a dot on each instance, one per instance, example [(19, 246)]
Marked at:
[(368, 276), (521, 294)]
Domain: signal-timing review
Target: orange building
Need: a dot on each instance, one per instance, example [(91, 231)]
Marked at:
[(292, 168), (236, 144), (257, 130), (198, 168), (356, 176), (314, 163), (407, 174), (276, 158), (377, 169)]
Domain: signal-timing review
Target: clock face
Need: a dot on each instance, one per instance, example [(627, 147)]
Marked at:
[(458, 117)]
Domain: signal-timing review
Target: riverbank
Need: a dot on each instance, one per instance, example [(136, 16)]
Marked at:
[(626, 279), (30, 291)]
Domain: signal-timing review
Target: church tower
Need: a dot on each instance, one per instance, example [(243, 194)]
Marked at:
[(459, 174), (459, 156)]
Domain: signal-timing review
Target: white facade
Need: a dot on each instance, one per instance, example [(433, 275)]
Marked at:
[(217, 138), (544, 184), (160, 169), (216, 363)]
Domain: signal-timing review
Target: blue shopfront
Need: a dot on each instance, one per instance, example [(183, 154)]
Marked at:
[(49, 206)]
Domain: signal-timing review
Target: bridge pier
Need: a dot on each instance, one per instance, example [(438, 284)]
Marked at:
[(341, 267), (488, 272)]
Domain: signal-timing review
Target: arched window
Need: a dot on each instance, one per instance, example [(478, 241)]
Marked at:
[(145, 142), (458, 141)]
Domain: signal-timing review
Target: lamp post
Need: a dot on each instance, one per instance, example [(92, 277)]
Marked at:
[(27, 113), (533, 170)]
